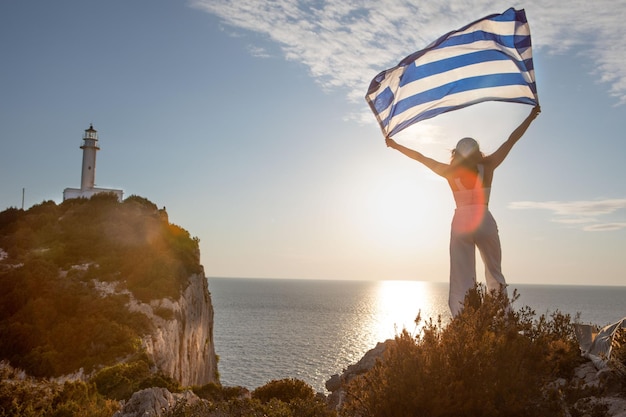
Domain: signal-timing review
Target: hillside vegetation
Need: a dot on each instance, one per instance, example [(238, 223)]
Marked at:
[(53, 319)]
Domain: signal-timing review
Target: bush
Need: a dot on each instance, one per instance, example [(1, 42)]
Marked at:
[(298, 395), (26, 398), (488, 361), (216, 392), (284, 390), (282, 398), (120, 381)]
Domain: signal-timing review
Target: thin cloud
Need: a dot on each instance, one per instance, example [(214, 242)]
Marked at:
[(345, 44), (574, 208), (604, 227), (579, 212), (258, 52), (574, 220)]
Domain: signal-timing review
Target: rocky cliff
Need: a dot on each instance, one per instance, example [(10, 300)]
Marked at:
[(181, 343)]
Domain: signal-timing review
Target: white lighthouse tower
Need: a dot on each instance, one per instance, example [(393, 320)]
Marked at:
[(88, 174), (89, 147)]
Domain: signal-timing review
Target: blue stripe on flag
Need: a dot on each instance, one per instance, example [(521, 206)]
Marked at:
[(479, 62), (510, 41), (384, 100), (413, 73), (473, 83), (509, 15)]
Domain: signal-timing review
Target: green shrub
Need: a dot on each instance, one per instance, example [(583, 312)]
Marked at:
[(245, 407), (30, 398), (250, 407), (282, 398), (284, 390), (216, 392), (298, 395), (141, 201), (121, 380), (79, 399)]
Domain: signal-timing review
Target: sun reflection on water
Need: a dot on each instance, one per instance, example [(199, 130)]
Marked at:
[(399, 302), (311, 330)]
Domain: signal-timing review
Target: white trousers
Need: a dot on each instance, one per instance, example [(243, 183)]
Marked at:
[(473, 227)]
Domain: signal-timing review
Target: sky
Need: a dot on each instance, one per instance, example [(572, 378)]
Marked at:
[(246, 120)]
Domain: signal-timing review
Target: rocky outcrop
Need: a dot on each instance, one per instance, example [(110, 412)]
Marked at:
[(609, 385), (336, 384), (153, 402), (181, 343)]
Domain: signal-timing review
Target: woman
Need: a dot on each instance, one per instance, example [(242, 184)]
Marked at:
[(469, 175)]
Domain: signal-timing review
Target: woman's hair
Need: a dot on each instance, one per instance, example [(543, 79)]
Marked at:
[(467, 153)]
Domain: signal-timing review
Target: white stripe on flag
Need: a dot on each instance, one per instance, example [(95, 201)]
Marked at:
[(490, 59), (415, 87)]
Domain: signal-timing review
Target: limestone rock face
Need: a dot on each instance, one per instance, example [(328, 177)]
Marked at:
[(181, 344)]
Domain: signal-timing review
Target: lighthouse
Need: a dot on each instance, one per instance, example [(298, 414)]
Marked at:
[(88, 187), (89, 147)]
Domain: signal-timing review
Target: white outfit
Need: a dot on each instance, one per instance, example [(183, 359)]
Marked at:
[(473, 226)]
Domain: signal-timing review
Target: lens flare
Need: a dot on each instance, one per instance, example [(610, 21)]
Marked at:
[(471, 201)]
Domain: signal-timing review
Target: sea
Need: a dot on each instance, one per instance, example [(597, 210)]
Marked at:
[(270, 329)]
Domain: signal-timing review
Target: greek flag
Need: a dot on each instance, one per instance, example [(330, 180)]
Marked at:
[(490, 59)]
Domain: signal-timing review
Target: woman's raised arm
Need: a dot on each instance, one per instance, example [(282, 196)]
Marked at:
[(437, 167), (500, 154)]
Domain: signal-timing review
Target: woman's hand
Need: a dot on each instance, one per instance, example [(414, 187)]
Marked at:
[(390, 142), (535, 111)]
